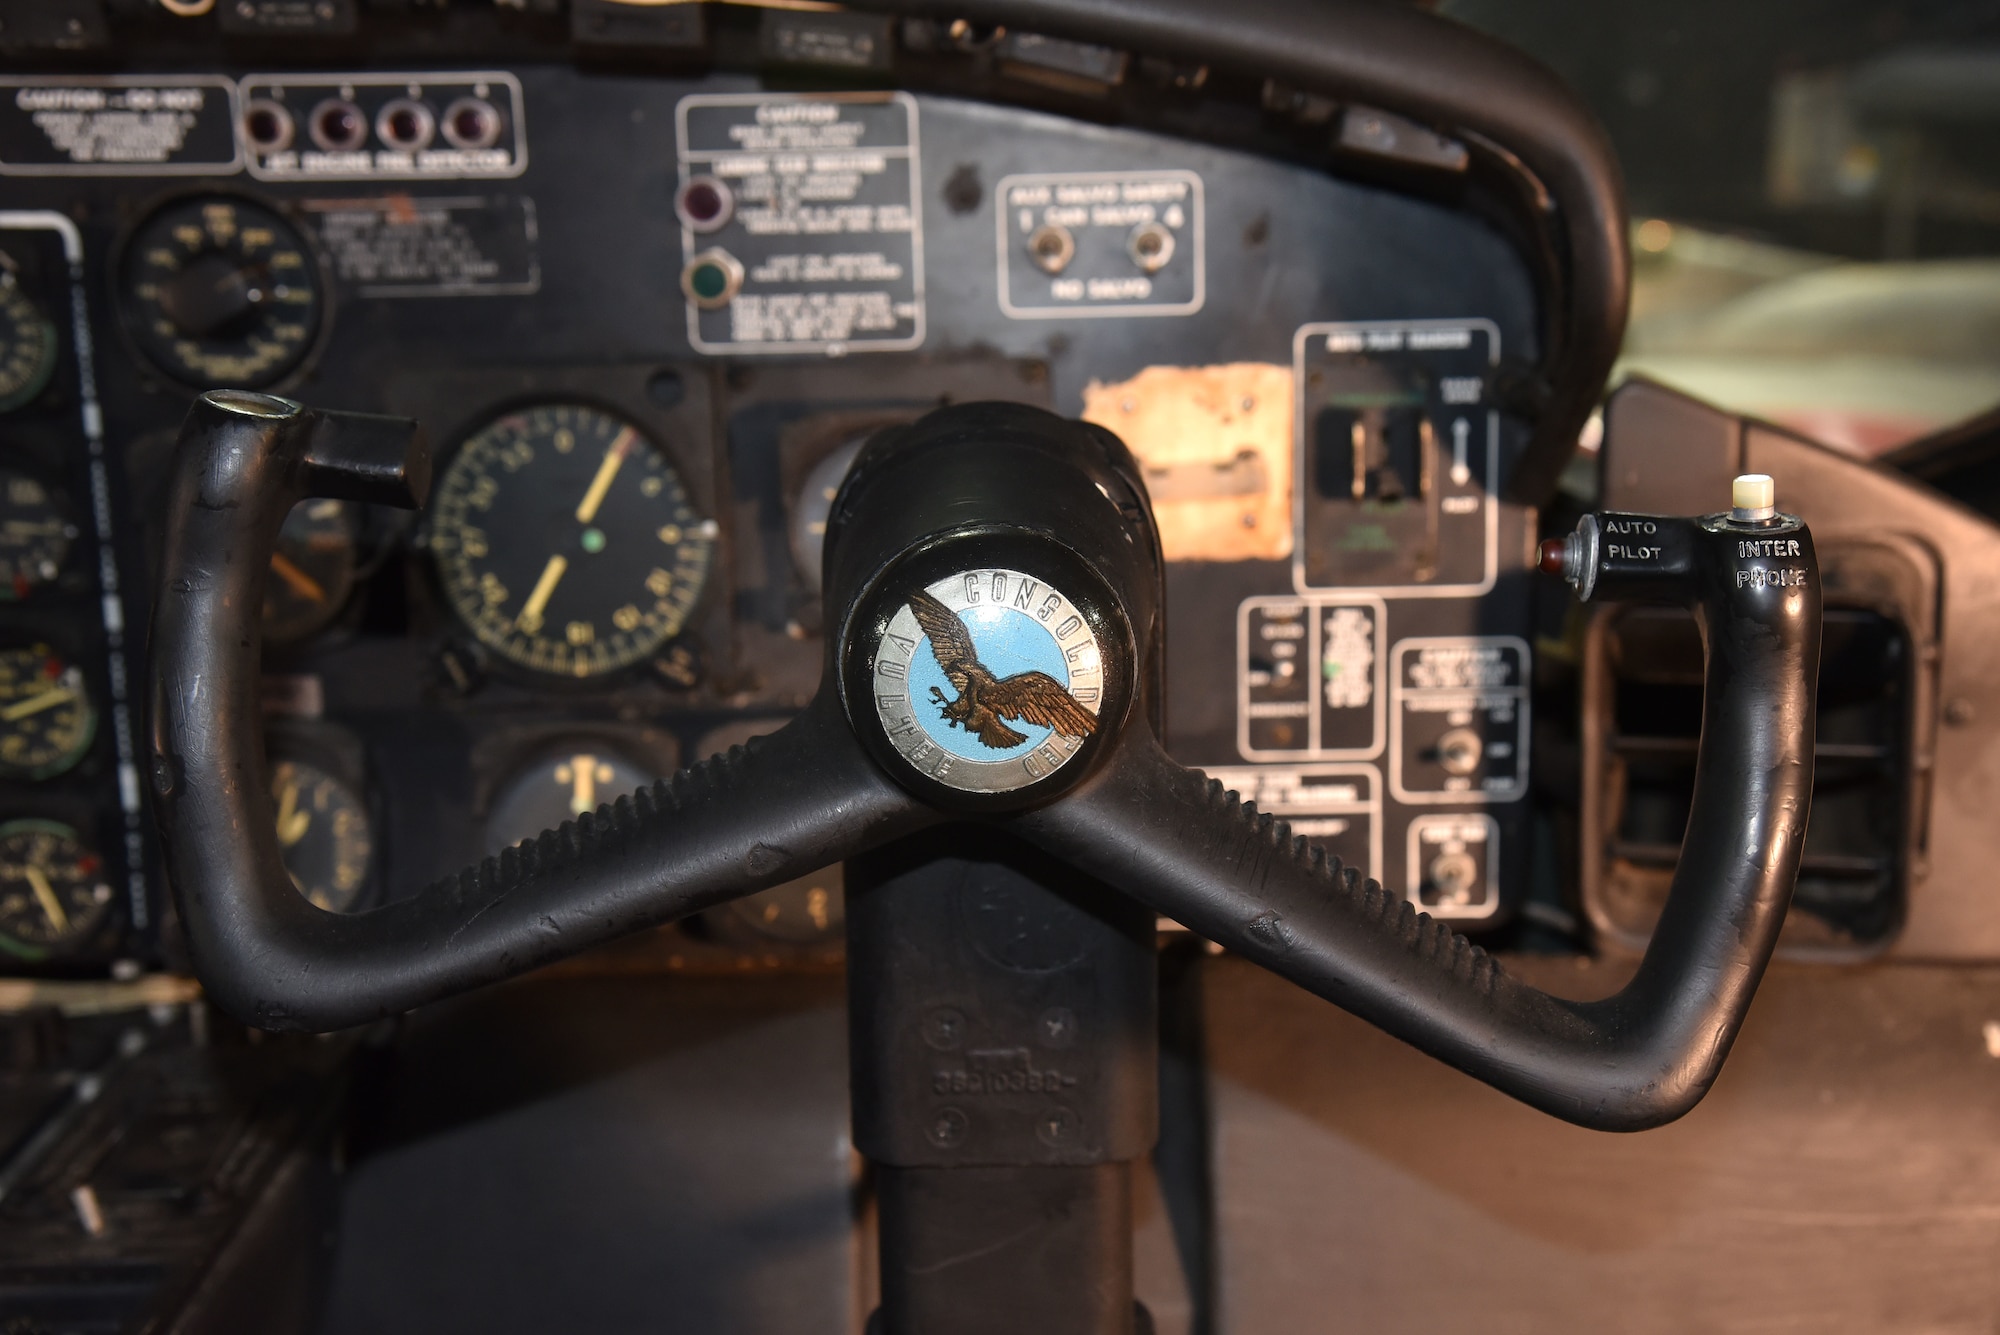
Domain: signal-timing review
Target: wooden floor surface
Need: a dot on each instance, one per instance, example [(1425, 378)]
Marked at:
[(1843, 1176)]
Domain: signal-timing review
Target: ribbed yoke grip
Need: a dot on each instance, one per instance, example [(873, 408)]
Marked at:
[(782, 807), (1176, 840)]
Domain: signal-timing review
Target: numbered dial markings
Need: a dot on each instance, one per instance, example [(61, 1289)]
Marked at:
[(312, 570), (567, 542), (27, 346), (570, 779), (35, 535), (323, 835), (222, 291), (46, 719), (53, 892)]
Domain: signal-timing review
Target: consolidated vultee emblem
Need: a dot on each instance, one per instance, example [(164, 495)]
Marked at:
[(988, 681)]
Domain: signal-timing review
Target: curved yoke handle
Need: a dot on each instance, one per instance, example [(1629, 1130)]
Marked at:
[(1631, 1061), (785, 806), (984, 487)]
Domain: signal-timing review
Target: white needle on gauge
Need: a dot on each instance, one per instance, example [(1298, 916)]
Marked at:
[(530, 619), (45, 895), (35, 704), (583, 791), (621, 445)]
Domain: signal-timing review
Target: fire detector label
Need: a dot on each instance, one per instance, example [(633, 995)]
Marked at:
[(808, 236), (384, 127)]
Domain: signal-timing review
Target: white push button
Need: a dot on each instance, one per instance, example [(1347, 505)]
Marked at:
[(1753, 496)]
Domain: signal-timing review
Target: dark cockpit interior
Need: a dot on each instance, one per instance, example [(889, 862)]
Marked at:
[(1095, 667)]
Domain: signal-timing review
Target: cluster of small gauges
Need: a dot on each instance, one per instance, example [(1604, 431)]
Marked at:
[(562, 542), (56, 891), (565, 544), (562, 535)]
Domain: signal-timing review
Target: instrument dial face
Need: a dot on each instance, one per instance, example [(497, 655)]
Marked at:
[(814, 506), (27, 346), (46, 719), (312, 570), (567, 542), (566, 782), (222, 291), (807, 911), (53, 892), (35, 535), (323, 835)]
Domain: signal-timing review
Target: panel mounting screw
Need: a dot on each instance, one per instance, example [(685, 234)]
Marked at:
[(947, 1128)]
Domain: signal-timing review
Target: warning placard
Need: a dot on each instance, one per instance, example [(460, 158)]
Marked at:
[(823, 231), (135, 125), (430, 245)]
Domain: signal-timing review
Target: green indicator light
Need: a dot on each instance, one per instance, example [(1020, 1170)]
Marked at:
[(710, 281), (593, 540)]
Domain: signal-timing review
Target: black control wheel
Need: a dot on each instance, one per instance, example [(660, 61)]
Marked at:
[(993, 582)]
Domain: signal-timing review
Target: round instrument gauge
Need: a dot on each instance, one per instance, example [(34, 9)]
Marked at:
[(814, 506), (567, 542), (807, 911), (312, 570), (46, 719), (27, 346), (581, 775), (53, 894), (219, 290), (323, 835), (35, 534)]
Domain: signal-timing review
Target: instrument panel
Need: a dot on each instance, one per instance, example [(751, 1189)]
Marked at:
[(640, 551), (648, 320), (650, 276)]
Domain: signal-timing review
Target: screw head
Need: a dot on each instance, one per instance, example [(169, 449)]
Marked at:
[(948, 1128), (944, 1028), (1057, 1127), (1057, 1027)]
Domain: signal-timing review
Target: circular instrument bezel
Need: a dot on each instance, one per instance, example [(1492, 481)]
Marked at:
[(356, 798), (129, 313), (80, 746), (335, 601), (536, 768), (49, 337), (442, 529), (341, 756), (57, 503), (81, 933)]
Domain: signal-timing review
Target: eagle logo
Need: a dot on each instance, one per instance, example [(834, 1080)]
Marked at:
[(985, 702)]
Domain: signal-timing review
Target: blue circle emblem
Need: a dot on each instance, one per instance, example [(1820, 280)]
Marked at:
[(988, 680), (1009, 641)]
